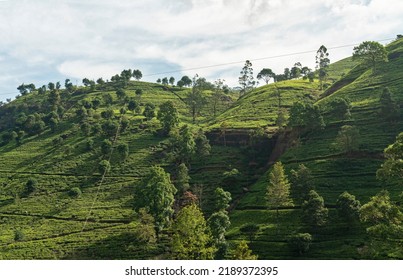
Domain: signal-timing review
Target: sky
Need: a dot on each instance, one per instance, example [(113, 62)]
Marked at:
[(48, 41)]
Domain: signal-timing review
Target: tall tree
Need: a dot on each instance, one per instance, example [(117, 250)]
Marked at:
[(191, 239), (219, 223), (246, 79), (265, 74), (371, 53), (314, 211), (156, 194), (196, 99), (322, 64), (348, 207), (278, 189), (171, 81), (222, 199), (301, 182), (389, 107), (168, 116), (182, 178)]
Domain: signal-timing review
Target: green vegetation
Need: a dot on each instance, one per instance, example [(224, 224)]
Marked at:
[(130, 170)]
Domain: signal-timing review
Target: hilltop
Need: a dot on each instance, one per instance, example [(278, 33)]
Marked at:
[(56, 203)]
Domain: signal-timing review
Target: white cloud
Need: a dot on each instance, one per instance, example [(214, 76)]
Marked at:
[(96, 38)]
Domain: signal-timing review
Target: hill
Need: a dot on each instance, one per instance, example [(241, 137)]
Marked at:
[(55, 202)]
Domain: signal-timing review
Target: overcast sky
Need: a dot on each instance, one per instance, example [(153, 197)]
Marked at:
[(43, 41)]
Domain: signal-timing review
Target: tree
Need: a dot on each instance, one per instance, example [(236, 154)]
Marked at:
[(171, 81), (165, 81), (392, 168), (278, 189), (196, 100), (246, 79), (300, 243), (106, 147), (191, 238), (296, 70), (156, 194), (305, 116), (168, 116), (265, 74), (348, 207), (183, 145), (104, 166), (314, 212), (145, 231), (123, 150), (132, 105), (108, 113), (242, 252), (218, 94), (187, 82), (159, 81), (149, 111), (203, 147), (109, 128), (382, 216), (137, 74), (219, 223), (340, 108), (322, 64), (221, 199), (180, 83), (370, 53), (121, 94), (182, 178), (348, 138), (389, 107), (31, 185), (301, 182)]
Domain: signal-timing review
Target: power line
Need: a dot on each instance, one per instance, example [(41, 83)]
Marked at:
[(255, 59)]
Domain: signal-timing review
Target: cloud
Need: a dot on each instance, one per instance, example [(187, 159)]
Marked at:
[(50, 40)]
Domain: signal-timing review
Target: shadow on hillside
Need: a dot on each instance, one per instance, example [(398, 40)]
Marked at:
[(121, 247)]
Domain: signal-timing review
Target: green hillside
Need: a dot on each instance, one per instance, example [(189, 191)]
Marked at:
[(56, 203)]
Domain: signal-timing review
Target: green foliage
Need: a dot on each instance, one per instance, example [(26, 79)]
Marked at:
[(31, 185), (393, 166), (196, 100), (203, 147), (219, 223), (156, 194), (75, 192), (18, 235), (149, 111), (242, 252), (301, 182), (348, 207), (183, 145), (182, 178), (348, 139), (300, 243), (145, 231), (389, 107), (106, 147), (314, 212), (251, 230), (168, 116), (371, 53), (322, 64), (340, 107), (278, 188), (104, 166), (221, 199), (191, 238), (246, 79), (265, 74), (306, 116), (123, 150)]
